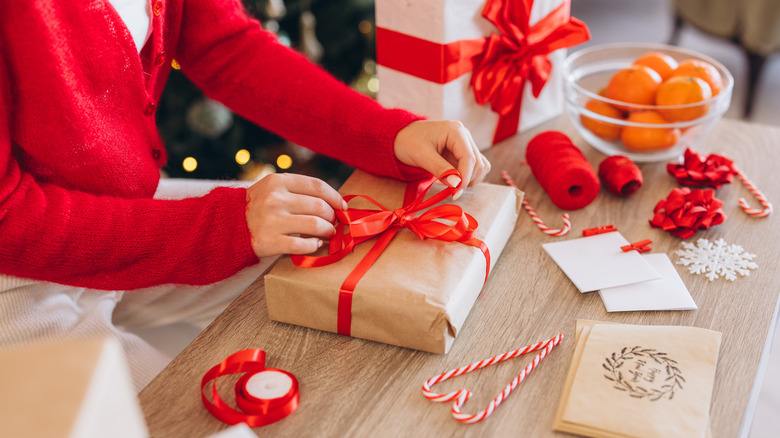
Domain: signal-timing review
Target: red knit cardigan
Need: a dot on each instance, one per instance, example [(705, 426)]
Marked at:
[(80, 154)]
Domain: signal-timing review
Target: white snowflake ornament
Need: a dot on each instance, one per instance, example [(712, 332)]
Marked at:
[(716, 259)]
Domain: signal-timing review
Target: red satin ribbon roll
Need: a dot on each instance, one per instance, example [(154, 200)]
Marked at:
[(562, 170), (621, 176), (257, 410)]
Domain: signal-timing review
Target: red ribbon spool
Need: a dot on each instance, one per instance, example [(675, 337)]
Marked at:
[(257, 411), (621, 176), (562, 170)]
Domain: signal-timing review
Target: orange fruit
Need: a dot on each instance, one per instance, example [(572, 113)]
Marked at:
[(683, 90), (662, 63), (648, 139), (636, 84), (702, 70), (605, 130)]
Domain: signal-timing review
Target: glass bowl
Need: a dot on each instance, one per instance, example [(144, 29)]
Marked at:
[(587, 73)]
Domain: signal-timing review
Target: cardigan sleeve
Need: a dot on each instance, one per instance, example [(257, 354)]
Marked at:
[(233, 60), (54, 234)]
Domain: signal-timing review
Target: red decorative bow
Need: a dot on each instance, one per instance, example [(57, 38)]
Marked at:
[(685, 211), (519, 53), (713, 171), (445, 222), (640, 247)]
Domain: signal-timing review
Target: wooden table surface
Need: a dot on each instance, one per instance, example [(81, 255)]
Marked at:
[(352, 387)]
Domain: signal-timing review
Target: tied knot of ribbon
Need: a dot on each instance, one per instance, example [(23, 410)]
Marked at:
[(519, 53), (446, 222)]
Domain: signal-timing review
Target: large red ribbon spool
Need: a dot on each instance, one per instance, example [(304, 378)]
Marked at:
[(562, 170)]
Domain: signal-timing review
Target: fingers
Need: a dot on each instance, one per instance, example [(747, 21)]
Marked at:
[(437, 146), (306, 185), (290, 214)]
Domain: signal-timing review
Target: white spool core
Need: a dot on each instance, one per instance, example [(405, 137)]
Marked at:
[(269, 384)]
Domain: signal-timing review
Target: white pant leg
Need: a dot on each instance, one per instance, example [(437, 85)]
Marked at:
[(34, 312), (196, 305)]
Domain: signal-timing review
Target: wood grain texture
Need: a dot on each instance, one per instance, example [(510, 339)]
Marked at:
[(352, 387)]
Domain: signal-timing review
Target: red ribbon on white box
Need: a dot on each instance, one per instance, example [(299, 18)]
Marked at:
[(501, 63)]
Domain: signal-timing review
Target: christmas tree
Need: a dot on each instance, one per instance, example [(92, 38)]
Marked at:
[(206, 140)]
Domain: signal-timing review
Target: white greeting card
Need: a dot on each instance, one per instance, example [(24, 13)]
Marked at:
[(667, 293), (597, 262)]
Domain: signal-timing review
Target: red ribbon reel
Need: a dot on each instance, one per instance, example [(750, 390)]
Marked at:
[(265, 395)]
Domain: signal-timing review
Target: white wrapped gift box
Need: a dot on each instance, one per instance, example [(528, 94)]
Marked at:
[(444, 22)]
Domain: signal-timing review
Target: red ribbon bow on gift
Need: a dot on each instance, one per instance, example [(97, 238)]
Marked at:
[(685, 211), (519, 53), (500, 63), (353, 226)]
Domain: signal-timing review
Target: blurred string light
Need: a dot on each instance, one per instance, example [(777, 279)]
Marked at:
[(284, 161), (373, 84), (365, 27), (242, 157), (189, 164)]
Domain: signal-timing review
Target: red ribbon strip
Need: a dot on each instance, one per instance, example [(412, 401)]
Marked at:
[(434, 62), (354, 226), (640, 247), (501, 63), (257, 412), (598, 230)]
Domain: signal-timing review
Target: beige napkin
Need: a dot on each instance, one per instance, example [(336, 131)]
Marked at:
[(639, 381)]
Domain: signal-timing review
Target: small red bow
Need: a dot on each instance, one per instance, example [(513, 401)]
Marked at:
[(640, 247), (697, 171), (598, 230), (445, 222), (519, 53), (685, 211)]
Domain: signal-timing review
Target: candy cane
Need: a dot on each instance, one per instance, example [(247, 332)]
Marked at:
[(766, 211), (460, 396), (535, 216)]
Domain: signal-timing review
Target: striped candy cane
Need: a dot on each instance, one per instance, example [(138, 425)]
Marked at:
[(460, 396), (766, 211), (534, 216)]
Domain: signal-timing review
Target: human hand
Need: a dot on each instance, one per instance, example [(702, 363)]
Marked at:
[(290, 214), (438, 146)]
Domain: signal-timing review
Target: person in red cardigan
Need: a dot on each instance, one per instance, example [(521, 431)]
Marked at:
[(80, 158)]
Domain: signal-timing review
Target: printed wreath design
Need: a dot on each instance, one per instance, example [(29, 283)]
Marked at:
[(634, 381)]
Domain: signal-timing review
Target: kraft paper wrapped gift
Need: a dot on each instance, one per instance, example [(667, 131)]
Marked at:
[(74, 389), (418, 293), (426, 50)]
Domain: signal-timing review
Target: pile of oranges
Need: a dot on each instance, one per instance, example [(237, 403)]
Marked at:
[(655, 80)]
